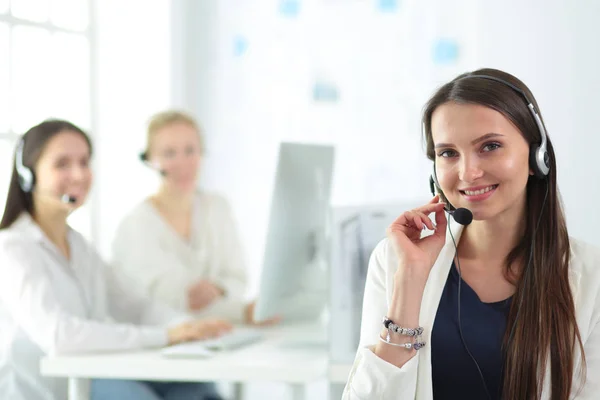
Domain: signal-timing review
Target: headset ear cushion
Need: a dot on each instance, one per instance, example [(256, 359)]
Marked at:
[(533, 162), (26, 180), (143, 156)]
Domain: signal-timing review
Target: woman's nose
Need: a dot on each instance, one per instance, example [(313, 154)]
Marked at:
[(469, 169)]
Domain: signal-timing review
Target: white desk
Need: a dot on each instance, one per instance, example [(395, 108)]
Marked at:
[(288, 354)]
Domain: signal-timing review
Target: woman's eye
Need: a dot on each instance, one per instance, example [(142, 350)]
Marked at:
[(491, 146), (447, 153), (190, 150)]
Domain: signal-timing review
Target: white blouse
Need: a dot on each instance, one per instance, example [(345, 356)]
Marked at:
[(165, 264), (50, 304)]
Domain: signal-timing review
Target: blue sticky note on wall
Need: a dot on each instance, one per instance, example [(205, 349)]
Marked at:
[(325, 92), (289, 8), (445, 51), (387, 5), (240, 45)]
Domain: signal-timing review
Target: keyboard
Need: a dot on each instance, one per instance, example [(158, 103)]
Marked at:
[(238, 337)]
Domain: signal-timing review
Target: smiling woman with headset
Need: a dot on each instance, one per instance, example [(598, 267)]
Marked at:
[(56, 294), (501, 303)]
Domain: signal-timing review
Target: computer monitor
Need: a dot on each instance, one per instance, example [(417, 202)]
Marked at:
[(294, 281)]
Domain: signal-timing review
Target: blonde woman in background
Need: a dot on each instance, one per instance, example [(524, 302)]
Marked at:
[(181, 244)]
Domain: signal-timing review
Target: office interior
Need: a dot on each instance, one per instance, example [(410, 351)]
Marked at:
[(262, 77)]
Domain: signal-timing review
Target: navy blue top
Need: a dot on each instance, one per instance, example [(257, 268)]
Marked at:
[(454, 373)]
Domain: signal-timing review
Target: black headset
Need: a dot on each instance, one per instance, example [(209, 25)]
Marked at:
[(539, 160)]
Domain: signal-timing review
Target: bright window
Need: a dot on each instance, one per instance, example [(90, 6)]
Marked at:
[(47, 47)]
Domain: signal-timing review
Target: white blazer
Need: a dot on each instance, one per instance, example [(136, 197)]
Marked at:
[(373, 378), (51, 305), (164, 264)]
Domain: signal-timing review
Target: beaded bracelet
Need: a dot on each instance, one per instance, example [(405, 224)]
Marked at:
[(392, 327)]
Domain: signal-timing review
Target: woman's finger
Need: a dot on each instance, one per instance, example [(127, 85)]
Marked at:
[(429, 208), (426, 220), (417, 221), (435, 199)]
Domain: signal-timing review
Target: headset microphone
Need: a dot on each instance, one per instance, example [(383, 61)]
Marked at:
[(461, 215), (65, 198), (155, 166)]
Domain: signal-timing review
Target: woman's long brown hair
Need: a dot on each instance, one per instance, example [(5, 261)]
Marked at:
[(542, 315)]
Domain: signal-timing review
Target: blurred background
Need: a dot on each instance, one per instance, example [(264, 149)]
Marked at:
[(349, 73)]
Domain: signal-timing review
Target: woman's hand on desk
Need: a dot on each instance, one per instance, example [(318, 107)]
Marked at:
[(197, 330), (249, 317), (202, 294)]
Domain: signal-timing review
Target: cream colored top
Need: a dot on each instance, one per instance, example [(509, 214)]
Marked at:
[(165, 264)]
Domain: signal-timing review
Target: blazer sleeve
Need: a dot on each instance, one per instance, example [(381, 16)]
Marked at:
[(591, 385), (370, 376), (27, 293), (586, 274), (127, 303)]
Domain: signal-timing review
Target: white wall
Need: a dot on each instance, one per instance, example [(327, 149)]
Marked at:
[(580, 184), (249, 103), (382, 66), (551, 46), (134, 81)]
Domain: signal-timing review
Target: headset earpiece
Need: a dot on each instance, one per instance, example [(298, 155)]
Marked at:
[(432, 185), (26, 177), (539, 162)]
